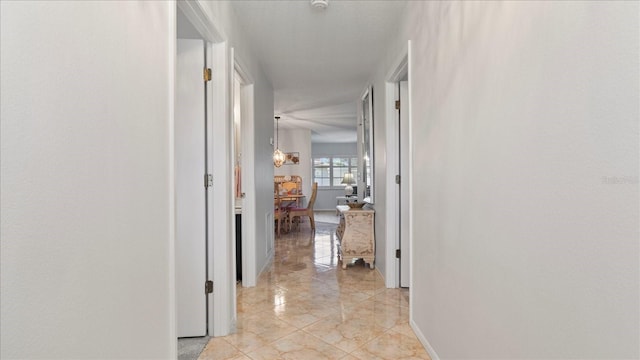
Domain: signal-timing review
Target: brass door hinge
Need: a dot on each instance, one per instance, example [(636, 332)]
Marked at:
[(208, 287), (397, 104), (397, 253), (207, 74)]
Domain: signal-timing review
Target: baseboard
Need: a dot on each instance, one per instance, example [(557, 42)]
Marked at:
[(423, 340), (381, 275), (266, 266)]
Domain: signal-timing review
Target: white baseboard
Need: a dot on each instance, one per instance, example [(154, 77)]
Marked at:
[(423, 340), (266, 266), (380, 273)]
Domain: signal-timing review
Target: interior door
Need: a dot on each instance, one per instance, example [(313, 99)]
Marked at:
[(190, 139), (405, 198)]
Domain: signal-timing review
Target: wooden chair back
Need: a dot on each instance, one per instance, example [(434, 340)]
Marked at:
[(308, 211), (293, 183), (314, 193)]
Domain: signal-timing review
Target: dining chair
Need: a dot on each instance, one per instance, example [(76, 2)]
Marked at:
[(290, 186), (308, 211), (279, 213)]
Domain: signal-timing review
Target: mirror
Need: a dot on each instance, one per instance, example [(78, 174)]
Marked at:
[(367, 161)]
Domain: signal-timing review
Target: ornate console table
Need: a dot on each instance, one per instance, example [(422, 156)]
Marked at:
[(355, 235)]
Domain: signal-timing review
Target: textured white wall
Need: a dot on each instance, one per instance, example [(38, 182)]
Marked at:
[(525, 178), (86, 191)]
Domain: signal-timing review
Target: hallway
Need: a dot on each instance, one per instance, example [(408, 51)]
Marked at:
[(306, 307)]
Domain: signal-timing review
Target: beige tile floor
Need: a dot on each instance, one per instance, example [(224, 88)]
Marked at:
[(306, 307)]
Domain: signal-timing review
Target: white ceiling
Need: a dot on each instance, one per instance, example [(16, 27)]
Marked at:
[(319, 61)]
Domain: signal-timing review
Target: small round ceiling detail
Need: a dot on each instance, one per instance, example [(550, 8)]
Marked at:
[(320, 4)]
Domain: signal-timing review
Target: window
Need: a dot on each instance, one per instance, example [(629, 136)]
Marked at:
[(328, 171)]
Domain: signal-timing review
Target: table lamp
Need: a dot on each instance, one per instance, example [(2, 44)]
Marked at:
[(348, 180)]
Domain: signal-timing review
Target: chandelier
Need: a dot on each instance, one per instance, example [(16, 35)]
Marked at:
[(278, 155)]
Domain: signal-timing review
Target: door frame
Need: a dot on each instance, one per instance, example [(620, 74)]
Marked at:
[(221, 310), (248, 255), (400, 68), (404, 161)]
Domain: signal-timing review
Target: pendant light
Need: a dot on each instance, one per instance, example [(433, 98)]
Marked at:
[(278, 155)]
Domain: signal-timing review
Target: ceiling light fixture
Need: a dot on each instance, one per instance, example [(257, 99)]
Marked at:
[(320, 4), (278, 155)]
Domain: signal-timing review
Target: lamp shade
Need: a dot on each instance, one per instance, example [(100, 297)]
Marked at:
[(348, 179)]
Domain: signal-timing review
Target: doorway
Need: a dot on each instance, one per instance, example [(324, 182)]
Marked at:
[(191, 192), (399, 184), (221, 314)]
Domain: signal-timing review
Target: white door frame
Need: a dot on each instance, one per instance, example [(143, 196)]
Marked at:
[(221, 207), (248, 173), (404, 198), (400, 67)]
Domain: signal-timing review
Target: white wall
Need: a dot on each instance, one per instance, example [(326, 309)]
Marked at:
[(87, 224), (326, 199), (263, 167), (525, 178), (296, 140)]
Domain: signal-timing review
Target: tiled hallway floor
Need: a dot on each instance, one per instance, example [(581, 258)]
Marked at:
[(306, 307)]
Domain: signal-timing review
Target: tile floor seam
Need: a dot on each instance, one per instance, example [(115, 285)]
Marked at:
[(324, 341), (304, 292)]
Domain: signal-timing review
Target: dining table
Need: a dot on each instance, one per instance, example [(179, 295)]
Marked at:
[(286, 200)]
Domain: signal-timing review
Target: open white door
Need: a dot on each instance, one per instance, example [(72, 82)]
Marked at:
[(405, 199), (190, 194)]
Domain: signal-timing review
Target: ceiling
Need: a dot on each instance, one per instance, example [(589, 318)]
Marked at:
[(319, 61)]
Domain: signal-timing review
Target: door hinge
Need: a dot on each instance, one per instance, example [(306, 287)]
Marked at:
[(207, 74), (398, 179), (397, 104), (208, 287), (208, 180), (397, 253)]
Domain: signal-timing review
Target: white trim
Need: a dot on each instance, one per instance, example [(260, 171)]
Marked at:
[(411, 164), (173, 306), (249, 185), (392, 270), (270, 253), (367, 93), (427, 346), (245, 75), (400, 67), (396, 72), (232, 190), (248, 255), (203, 22)]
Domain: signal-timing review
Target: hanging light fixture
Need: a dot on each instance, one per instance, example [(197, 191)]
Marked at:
[(278, 155)]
